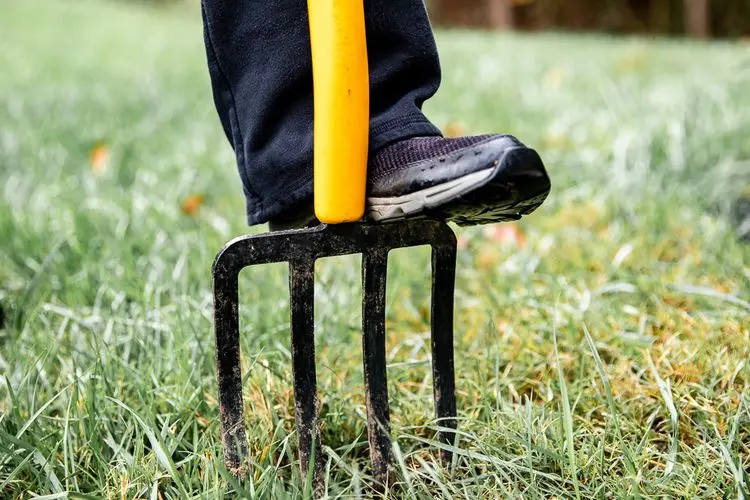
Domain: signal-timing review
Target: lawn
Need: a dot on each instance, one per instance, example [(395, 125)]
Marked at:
[(602, 344)]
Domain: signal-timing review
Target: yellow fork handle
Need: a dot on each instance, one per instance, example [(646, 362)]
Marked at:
[(341, 94)]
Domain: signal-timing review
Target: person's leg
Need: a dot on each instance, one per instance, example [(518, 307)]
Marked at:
[(260, 67), (261, 71)]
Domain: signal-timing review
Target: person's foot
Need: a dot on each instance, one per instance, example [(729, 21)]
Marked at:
[(467, 180)]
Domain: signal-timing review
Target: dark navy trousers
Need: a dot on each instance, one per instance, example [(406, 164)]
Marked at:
[(259, 61)]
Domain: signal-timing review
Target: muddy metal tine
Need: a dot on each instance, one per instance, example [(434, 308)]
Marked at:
[(228, 372), (443, 376), (301, 249), (302, 299), (374, 272)]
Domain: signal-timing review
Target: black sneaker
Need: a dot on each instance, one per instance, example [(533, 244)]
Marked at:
[(467, 180)]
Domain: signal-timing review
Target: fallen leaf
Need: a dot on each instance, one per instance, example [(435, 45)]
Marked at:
[(555, 140), (454, 130), (507, 234), (192, 203), (632, 62), (555, 77), (99, 157), (462, 242), (488, 258)]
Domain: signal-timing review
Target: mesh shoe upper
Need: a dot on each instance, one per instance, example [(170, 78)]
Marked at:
[(403, 154), (428, 163), (415, 164)]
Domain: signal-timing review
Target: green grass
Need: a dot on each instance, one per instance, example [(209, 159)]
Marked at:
[(605, 357)]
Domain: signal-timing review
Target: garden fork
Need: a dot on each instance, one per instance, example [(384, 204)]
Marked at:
[(341, 130)]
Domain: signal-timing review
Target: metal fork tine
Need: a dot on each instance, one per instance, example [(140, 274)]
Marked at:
[(301, 249), (228, 372), (302, 300), (374, 272), (443, 376)]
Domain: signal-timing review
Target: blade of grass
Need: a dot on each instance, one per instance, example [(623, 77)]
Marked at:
[(666, 394), (567, 415), (159, 449), (614, 414), (737, 472)]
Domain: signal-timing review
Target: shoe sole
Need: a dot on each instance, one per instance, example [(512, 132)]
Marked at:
[(487, 196)]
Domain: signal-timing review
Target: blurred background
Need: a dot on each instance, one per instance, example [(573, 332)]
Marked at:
[(602, 343), (696, 18)]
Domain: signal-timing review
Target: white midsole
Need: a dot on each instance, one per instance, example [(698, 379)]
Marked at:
[(398, 207)]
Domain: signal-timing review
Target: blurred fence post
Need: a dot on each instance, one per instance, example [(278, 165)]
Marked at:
[(500, 14), (696, 18)]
